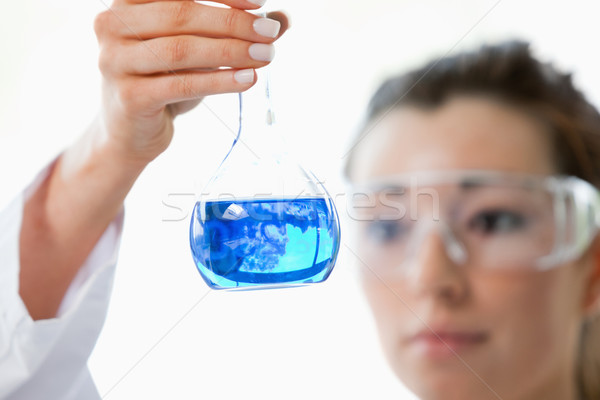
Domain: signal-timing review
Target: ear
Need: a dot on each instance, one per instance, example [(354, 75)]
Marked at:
[(592, 286)]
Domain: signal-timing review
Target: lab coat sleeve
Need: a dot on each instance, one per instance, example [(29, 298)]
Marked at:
[(48, 358)]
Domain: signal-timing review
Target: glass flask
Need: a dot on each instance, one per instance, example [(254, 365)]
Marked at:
[(263, 221)]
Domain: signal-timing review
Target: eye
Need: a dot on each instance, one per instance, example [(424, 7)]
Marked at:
[(497, 221), (385, 231)]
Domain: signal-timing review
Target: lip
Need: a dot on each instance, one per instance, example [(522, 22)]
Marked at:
[(446, 342)]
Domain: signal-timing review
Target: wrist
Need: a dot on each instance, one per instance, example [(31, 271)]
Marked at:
[(90, 181), (97, 151), (133, 141)]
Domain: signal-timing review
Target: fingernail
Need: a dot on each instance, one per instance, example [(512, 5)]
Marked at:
[(267, 27), (259, 3), (262, 52), (244, 76)]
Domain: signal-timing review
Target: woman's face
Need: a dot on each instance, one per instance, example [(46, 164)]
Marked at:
[(509, 334)]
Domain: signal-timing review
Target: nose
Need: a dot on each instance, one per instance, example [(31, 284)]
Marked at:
[(434, 269)]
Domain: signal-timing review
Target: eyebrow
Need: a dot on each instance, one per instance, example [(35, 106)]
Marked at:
[(466, 183), (397, 188), (471, 183)]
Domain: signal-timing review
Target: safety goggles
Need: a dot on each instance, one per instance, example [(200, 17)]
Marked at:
[(486, 219)]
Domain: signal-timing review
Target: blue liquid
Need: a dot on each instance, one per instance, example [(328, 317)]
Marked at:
[(251, 243)]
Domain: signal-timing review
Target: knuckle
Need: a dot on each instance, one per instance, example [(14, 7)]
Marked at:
[(231, 18), (180, 86), (113, 60), (187, 87), (102, 22), (177, 50), (128, 96), (104, 61), (108, 59), (212, 83), (180, 13), (225, 50)]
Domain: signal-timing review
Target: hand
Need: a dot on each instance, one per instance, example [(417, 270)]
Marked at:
[(160, 58)]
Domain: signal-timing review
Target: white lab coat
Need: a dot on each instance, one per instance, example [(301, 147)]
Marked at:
[(47, 359)]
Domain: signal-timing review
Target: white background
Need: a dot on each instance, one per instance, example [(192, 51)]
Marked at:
[(167, 335)]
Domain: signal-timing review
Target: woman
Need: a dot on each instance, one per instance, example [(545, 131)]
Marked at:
[(481, 267)]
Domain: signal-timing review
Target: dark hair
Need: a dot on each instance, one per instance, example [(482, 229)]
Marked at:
[(509, 72)]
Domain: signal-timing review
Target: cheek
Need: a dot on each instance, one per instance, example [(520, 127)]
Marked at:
[(532, 315), (536, 297)]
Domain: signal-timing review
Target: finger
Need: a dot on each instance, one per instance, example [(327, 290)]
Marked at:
[(176, 87), (150, 93), (188, 52), (240, 4), (172, 18)]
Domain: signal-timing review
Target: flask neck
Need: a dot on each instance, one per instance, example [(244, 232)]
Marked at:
[(258, 119)]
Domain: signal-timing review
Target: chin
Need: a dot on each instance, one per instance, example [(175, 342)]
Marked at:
[(442, 381), (449, 389)]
